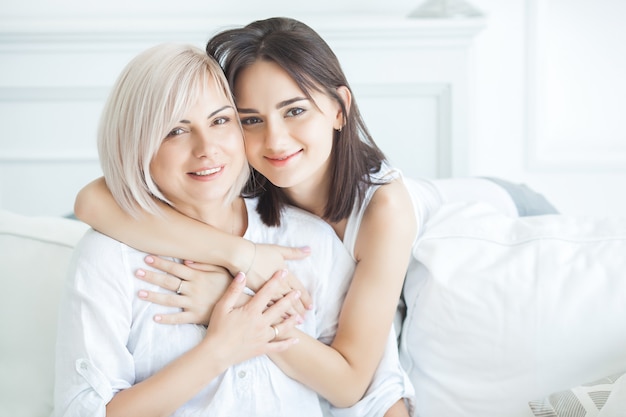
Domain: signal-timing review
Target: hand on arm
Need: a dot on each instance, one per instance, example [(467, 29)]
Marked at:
[(202, 285), (195, 292), (180, 236), (342, 371), (235, 334)]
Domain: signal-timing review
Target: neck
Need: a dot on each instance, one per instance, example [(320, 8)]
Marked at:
[(231, 218), (311, 196)]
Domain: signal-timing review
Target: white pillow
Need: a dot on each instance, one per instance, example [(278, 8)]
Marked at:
[(502, 311), (34, 254)]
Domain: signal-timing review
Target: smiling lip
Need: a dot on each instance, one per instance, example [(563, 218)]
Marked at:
[(280, 161), (206, 173)]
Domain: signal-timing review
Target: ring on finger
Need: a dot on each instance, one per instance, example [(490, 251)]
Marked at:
[(180, 287), (275, 327)]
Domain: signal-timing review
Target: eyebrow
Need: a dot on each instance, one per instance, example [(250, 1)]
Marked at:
[(278, 106), (210, 115)]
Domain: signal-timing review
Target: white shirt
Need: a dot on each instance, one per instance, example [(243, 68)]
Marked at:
[(108, 341)]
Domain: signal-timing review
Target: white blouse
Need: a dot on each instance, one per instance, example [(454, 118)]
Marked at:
[(108, 341)]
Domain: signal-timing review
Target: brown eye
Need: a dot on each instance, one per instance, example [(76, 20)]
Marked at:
[(221, 120), (250, 120), (295, 111), (175, 132)]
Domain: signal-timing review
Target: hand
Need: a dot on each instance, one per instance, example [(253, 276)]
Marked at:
[(197, 287), (269, 259), (194, 291), (248, 331)]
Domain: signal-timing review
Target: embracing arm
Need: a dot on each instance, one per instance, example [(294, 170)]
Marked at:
[(172, 234), (180, 236), (342, 371)]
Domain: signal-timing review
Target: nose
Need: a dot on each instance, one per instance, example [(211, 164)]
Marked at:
[(276, 133), (203, 144)]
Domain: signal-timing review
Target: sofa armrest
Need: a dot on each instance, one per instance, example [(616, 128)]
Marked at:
[(34, 255)]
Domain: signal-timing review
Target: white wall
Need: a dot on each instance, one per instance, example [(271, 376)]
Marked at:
[(549, 93), (542, 107)]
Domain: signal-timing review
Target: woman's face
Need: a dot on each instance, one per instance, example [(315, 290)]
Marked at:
[(288, 137), (202, 156)]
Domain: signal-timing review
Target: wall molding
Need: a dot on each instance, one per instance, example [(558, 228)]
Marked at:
[(441, 94), (50, 95), (65, 67), (543, 153), (30, 35), (47, 93)]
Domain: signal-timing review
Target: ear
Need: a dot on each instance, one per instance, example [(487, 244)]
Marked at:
[(346, 97)]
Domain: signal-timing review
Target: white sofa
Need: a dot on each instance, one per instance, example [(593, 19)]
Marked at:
[(505, 312)]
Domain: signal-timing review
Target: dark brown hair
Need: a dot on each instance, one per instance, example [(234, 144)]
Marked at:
[(308, 59)]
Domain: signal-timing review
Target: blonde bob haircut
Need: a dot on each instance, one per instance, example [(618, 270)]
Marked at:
[(153, 92)]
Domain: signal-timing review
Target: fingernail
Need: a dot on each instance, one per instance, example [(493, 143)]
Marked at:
[(296, 340), (306, 249), (240, 277), (158, 318), (187, 262), (283, 273), (140, 273), (143, 294), (149, 259), (299, 319), (298, 294), (310, 307)]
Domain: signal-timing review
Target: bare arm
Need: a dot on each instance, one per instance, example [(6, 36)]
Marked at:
[(182, 237), (342, 371)]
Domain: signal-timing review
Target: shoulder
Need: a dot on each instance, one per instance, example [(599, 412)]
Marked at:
[(392, 195), (101, 251), (95, 242), (390, 213)]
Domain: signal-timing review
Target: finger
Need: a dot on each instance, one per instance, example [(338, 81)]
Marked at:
[(173, 268), (205, 267), (283, 308), (164, 281), (183, 317), (295, 284), (289, 253), (270, 291), (283, 327), (165, 299), (298, 308), (294, 307), (232, 294)]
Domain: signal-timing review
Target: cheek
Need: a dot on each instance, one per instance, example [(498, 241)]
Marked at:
[(252, 146)]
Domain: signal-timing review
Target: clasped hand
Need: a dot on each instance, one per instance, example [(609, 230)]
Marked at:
[(196, 288)]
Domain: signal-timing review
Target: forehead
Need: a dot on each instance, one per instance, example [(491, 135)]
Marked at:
[(264, 69), (205, 90), (265, 79)]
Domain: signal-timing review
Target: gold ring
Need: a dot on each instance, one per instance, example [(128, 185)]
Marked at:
[(180, 287), (273, 326)]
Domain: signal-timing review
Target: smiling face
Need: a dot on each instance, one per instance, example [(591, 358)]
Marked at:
[(289, 137), (202, 157)]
